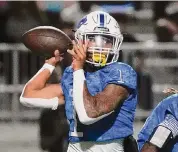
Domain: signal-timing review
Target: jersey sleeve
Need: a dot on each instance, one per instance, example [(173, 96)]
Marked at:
[(170, 123), (122, 74), (151, 123)]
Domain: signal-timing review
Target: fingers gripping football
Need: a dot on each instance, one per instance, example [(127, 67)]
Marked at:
[(57, 58)]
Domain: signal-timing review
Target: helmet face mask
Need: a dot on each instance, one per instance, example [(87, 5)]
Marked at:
[(104, 40)]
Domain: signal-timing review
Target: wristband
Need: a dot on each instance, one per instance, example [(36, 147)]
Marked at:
[(49, 67), (160, 136)]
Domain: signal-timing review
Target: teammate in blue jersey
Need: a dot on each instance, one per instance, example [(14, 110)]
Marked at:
[(99, 93), (159, 133)]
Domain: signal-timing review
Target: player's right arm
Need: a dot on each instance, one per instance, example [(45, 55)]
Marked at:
[(37, 93)]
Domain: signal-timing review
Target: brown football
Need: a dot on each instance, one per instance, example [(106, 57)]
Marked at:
[(44, 40)]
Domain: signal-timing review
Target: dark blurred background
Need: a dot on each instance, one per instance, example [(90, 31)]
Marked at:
[(150, 47)]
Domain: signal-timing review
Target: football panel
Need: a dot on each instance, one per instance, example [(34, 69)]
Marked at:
[(45, 41)]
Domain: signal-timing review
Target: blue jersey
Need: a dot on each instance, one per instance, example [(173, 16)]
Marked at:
[(118, 124), (168, 105)]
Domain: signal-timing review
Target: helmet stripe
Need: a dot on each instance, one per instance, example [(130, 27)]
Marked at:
[(101, 19)]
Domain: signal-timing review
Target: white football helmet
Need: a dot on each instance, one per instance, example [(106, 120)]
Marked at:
[(104, 36)]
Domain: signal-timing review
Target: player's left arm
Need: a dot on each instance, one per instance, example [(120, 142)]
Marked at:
[(105, 101), (92, 108)]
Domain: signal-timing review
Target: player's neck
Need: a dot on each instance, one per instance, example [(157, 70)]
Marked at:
[(91, 68)]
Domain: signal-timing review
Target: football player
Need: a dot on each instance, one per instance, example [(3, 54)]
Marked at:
[(159, 133), (99, 93)]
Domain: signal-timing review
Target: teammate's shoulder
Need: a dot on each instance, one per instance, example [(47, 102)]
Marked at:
[(168, 100), (171, 97)]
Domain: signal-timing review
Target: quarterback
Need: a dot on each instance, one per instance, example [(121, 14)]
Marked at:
[(99, 92)]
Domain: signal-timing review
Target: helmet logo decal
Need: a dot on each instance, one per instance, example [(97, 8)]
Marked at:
[(82, 21)]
